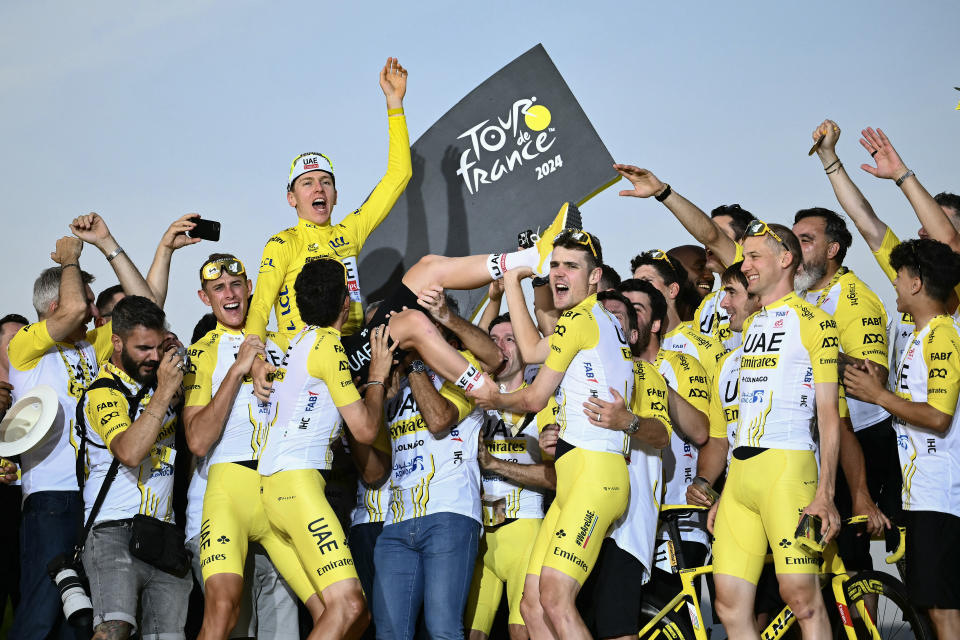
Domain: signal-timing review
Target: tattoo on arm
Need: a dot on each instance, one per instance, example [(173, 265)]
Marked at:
[(112, 630)]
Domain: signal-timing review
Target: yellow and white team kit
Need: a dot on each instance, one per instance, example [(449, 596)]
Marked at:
[(929, 372), (145, 489), (36, 358), (593, 486), (635, 531), (433, 473), (862, 324)]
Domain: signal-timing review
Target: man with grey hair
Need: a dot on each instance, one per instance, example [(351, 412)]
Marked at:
[(60, 352)]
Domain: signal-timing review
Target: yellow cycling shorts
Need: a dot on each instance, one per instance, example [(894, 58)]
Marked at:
[(298, 509), (503, 557), (761, 504), (592, 492), (232, 515)]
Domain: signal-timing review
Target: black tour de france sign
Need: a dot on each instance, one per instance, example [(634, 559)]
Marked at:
[(502, 160)]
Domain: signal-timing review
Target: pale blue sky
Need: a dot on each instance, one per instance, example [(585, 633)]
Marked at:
[(145, 111)]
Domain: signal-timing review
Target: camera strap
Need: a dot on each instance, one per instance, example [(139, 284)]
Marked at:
[(133, 402)]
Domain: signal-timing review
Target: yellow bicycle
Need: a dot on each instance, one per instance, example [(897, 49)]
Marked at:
[(870, 604)]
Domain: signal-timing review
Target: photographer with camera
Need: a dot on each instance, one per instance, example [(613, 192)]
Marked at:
[(134, 555)]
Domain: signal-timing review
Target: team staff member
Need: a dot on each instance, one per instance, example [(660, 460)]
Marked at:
[(710, 317), (686, 380), (129, 594), (226, 427), (861, 320), (314, 398), (925, 403), (659, 269), (586, 356), (60, 352), (514, 476), (940, 216), (738, 304), (773, 475), (626, 559), (311, 190), (426, 553)]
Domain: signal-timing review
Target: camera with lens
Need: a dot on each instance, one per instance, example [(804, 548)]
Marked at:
[(184, 353), (526, 239), (67, 576)]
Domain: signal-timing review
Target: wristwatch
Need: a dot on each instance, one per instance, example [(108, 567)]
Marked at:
[(634, 426), (417, 366)]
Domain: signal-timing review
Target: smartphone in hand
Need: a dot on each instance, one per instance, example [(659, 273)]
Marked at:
[(809, 533), (205, 229)]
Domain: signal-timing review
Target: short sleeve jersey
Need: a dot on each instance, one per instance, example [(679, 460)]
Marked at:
[(589, 348), (862, 325), (433, 473), (684, 374), (144, 489), (372, 501), (929, 372), (725, 399), (788, 347), (514, 437), (315, 383), (713, 321), (35, 358), (286, 252), (245, 431), (635, 531), (705, 350)]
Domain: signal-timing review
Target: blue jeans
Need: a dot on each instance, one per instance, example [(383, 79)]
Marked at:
[(48, 528), (425, 562)]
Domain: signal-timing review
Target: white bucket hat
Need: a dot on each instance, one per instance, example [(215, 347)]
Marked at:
[(28, 420)]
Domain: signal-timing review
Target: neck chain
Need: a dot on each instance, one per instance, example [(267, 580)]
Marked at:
[(842, 271)]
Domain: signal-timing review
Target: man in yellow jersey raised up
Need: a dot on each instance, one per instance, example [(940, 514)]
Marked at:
[(312, 191), (773, 478), (586, 356)]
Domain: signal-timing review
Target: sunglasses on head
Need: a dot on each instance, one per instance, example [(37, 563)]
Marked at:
[(216, 268), (757, 228), (578, 236)]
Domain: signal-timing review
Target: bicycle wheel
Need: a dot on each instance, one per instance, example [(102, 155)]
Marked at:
[(673, 626), (895, 616)]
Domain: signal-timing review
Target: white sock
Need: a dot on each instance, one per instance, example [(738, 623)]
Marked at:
[(472, 378), (500, 263)]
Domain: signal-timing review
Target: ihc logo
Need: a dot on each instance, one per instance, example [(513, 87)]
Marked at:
[(561, 533), (785, 543), (223, 539)]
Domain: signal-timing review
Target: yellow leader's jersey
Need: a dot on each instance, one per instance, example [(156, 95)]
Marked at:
[(287, 252)]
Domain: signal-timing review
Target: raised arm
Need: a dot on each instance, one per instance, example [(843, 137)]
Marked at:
[(533, 347), (848, 195), (363, 417), (72, 306), (492, 309), (891, 167), (693, 219), (175, 237), (133, 444), (92, 229)]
